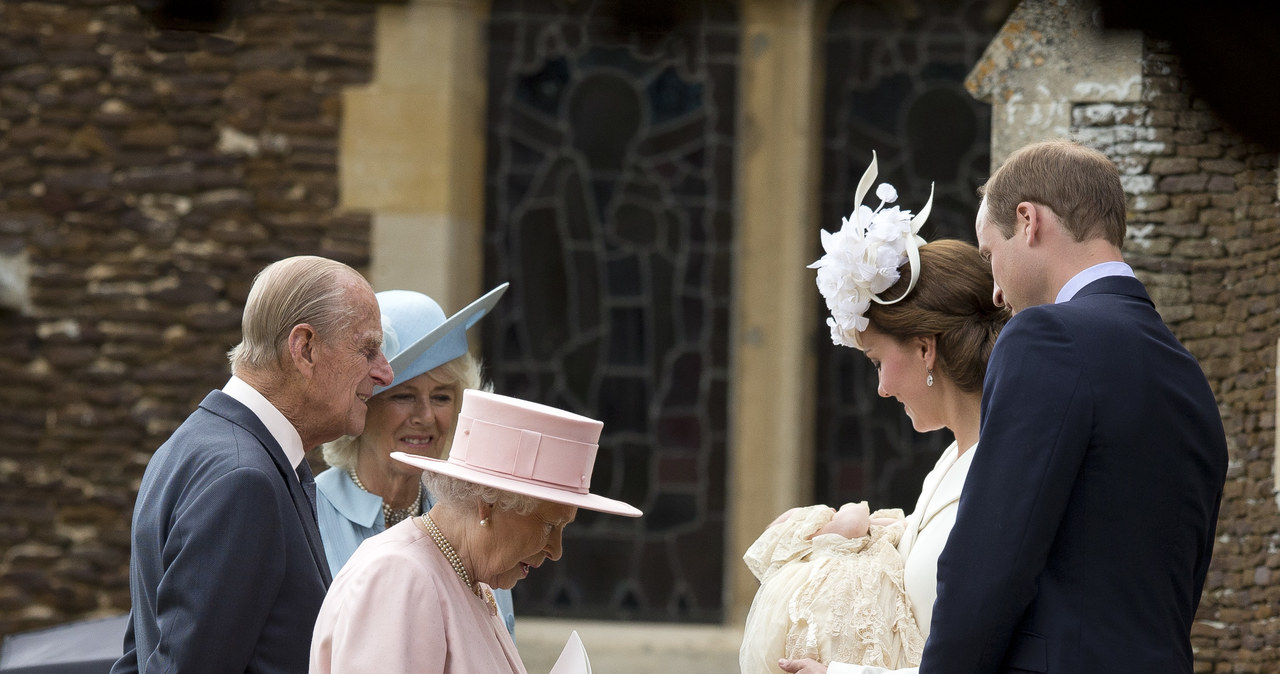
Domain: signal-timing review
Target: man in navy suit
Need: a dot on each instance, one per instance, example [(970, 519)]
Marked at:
[(228, 571), (1086, 525)]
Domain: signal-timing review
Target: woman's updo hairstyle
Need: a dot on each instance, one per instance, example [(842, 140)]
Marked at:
[(951, 301)]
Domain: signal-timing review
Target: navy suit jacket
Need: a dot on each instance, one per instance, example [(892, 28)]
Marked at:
[(1086, 524), (227, 571)]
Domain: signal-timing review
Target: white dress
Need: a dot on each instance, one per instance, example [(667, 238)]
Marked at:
[(927, 530), (862, 600)]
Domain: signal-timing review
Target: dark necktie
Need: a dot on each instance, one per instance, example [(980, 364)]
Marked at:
[(308, 484), (312, 526)]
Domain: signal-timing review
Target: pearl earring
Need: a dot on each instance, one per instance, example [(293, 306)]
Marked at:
[(929, 380), (484, 522)]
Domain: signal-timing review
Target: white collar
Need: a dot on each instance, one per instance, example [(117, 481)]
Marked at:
[(1090, 275), (276, 423)]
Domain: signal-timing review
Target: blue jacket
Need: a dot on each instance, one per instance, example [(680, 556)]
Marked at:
[(1085, 528), (227, 572)]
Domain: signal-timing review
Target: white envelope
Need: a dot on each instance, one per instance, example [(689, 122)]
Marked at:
[(573, 659)]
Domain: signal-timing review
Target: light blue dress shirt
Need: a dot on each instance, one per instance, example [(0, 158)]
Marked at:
[(1087, 276), (349, 514)]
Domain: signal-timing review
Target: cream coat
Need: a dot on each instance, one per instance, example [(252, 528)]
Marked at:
[(928, 528)]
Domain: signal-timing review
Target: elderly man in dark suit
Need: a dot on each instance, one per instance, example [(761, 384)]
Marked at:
[(228, 571), (1085, 528)]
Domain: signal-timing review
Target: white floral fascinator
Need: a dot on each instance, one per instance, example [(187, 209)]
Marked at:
[(863, 258)]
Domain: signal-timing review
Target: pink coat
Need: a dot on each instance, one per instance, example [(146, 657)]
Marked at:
[(397, 606)]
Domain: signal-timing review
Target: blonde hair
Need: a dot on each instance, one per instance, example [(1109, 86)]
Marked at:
[(289, 292), (1079, 184), (462, 373)]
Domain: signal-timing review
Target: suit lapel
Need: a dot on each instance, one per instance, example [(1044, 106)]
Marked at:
[(948, 488), (921, 515), (229, 408)]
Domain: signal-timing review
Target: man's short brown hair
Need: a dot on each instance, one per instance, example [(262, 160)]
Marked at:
[(1079, 184)]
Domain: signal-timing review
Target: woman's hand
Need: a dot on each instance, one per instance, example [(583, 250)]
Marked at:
[(804, 665), (783, 517)]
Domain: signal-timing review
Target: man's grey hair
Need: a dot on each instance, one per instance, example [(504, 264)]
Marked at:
[(292, 291)]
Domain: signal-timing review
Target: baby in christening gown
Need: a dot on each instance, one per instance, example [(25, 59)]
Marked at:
[(831, 589)]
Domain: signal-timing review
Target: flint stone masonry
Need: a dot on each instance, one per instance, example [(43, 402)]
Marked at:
[(1049, 57), (1204, 236), (145, 177)]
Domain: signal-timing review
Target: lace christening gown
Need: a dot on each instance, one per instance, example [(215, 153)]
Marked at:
[(830, 598)]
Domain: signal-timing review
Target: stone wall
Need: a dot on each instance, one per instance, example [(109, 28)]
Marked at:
[(1204, 235), (145, 177)]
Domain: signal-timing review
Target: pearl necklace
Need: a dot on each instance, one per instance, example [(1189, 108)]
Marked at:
[(392, 516), (447, 550)]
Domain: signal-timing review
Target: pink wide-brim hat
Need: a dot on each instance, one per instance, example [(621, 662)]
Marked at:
[(525, 448)]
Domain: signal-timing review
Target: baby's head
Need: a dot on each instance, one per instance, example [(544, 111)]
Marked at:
[(852, 520)]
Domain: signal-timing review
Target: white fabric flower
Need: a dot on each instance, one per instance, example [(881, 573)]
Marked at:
[(886, 193), (863, 258)]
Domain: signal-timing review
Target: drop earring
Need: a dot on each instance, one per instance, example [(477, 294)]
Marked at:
[(928, 381)]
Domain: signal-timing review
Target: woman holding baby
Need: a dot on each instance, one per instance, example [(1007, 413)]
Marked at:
[(853, 590)]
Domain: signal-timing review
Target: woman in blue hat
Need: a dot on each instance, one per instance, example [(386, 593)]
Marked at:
[(366, 492)]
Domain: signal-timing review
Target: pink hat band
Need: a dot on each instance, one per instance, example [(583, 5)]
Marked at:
[(524, 448), (538, 458)]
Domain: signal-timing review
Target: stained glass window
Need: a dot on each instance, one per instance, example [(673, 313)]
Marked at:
[(894, 84), (609, 209)]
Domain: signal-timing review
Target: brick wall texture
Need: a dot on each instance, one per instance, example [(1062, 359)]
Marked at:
[(1214, 258), (147, 175)]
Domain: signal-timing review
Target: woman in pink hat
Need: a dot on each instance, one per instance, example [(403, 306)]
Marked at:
[(419, 596)]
